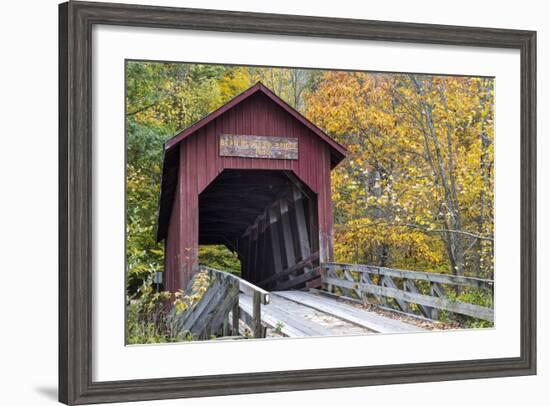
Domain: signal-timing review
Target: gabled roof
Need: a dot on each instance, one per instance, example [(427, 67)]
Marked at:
[(338, 151)]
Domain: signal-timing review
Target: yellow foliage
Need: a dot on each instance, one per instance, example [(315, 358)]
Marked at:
[(199, 286), (419, 166)]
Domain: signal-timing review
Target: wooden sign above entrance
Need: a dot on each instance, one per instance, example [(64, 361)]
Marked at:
[(257, 146)]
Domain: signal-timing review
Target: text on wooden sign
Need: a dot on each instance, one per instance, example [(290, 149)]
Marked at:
[(257, 146)]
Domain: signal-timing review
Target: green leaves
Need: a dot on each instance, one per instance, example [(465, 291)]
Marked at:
[(219, 257), (143, 160)]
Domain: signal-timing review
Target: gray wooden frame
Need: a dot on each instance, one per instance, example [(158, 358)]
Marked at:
[(76, 20)]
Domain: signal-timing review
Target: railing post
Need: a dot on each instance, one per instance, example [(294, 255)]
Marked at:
[(257, 315), (434, 312), (235, 317)]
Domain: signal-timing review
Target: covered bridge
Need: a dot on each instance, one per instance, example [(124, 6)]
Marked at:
[(254, 175)]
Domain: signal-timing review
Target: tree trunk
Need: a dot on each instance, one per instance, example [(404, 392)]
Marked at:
[(444, 178)]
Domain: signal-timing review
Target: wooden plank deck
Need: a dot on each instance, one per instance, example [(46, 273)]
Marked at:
[(269, 319), (361, 317), (296, 320), (304, 314)]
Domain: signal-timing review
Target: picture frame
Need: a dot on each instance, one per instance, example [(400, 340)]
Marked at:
[(76, 19)]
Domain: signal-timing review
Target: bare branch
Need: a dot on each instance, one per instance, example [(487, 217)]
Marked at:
[(441, 230)]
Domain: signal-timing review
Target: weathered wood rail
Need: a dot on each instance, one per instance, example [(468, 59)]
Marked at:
[(218, 311), (310, 272), (363, 281)]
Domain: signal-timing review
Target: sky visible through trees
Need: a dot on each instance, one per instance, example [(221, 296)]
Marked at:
[(415, 192)]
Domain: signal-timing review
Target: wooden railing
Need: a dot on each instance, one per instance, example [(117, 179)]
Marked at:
[(210, 315), (361, 281)]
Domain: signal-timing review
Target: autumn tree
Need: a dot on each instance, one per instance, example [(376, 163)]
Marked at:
[(452, 116), (411, 192)]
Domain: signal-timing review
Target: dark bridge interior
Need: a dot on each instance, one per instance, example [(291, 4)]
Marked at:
[(269, 218)]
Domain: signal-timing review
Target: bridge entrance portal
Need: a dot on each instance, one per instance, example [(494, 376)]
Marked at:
[(269, 218), (253, 175)]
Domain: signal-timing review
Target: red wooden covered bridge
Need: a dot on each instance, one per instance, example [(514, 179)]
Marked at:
[(254, 175)]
